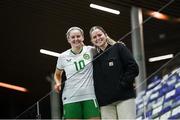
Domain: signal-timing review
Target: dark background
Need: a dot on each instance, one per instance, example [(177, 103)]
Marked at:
[(30, 25)]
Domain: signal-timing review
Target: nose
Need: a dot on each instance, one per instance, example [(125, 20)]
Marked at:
[(98, 37), (76, 38)]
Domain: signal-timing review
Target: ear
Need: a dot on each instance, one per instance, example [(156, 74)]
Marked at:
[(83, 38), (91, 40), (68, 40)]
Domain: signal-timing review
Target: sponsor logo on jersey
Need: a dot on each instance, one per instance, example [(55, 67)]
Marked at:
[(68, 60)]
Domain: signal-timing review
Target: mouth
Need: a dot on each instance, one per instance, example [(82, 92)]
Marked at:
[(77, 42), (99, 41)]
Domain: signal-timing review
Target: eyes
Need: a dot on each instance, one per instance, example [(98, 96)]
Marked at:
[(97, 36), (75, 36)]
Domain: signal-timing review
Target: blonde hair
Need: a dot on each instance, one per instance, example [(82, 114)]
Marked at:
[(73, 28), (110, 41)]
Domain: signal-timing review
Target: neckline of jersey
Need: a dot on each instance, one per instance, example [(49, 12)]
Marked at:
[(77, 53)]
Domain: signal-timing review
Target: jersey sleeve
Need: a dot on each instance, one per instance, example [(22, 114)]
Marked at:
[(92, 50), (59, 64)]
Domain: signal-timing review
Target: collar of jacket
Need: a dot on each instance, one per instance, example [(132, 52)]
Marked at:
[(105, 48)]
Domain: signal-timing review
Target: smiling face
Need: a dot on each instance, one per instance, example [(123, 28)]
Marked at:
[(75, 38), (98, 38)]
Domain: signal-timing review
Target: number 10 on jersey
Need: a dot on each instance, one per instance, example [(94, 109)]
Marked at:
[(79, 65)]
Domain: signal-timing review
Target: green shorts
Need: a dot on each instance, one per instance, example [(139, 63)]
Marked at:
[(82, 110)]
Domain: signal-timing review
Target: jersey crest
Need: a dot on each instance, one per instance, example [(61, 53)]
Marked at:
[(86, 56)]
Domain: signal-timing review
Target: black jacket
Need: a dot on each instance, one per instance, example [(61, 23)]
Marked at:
[(114, 72)]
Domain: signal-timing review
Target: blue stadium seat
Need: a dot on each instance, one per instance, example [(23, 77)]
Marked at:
[(161, 99)]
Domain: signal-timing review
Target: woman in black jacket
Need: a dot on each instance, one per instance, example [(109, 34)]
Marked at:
[(114, 72)]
